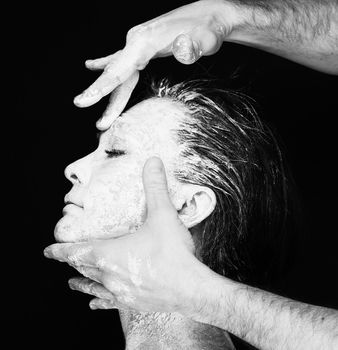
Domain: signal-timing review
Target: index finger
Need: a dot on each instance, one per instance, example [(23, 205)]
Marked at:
[(132, 58), (75, 254), (117, 102)]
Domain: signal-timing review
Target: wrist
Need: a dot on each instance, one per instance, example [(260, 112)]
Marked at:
[(209, 297), (247, 24)]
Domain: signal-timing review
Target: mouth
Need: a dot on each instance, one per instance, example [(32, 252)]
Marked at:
[(69, 202), (71, 208)]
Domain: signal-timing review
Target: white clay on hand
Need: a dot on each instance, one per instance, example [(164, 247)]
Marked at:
[(118, 101), (187, 33), (88, 286), (103, 298), (185, 50), (103, 304)]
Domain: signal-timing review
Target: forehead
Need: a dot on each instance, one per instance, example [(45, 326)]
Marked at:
[(153, 121)]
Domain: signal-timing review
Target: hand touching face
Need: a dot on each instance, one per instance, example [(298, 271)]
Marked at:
[(152, 270), (107, 194)]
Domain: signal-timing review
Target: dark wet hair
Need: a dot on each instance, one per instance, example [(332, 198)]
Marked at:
[(230, 150)]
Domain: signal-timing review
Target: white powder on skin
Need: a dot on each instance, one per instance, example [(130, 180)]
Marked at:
[(134, 267), (111, 193), (110, 189)]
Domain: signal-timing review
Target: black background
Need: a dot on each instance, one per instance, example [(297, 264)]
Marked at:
[(49, 44)]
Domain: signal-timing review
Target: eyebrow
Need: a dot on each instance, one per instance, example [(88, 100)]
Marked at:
[(116, 138)]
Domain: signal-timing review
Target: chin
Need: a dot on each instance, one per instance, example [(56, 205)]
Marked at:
[(67, 229), (72, 228)]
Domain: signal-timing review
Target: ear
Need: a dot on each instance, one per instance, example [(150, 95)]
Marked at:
[(196, 204)]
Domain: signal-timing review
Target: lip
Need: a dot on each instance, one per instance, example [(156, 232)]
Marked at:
[(73, 198), (71, 208)]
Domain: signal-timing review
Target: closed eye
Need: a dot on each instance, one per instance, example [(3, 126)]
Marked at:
[(113, 153)]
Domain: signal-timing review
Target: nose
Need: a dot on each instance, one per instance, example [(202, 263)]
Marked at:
[(79, 171)]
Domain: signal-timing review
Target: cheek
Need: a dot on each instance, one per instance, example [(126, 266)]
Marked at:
[(116, 197)]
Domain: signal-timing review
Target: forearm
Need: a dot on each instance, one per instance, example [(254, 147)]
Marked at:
[(170, 331), (305, 31), (265, 320)]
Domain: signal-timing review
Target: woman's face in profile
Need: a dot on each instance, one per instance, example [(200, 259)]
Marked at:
[(107, 192)]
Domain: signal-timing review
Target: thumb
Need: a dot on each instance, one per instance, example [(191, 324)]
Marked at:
[(185, 50), (155, 185), (202, 41)]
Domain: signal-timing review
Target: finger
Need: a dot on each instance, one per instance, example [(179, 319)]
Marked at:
[(91, 287), (101, 87), (118, 101), (75, 254), (203, 41), (103, 304), (92, 273), (185, 50), (155, 185), (114, 74), (101, 63)]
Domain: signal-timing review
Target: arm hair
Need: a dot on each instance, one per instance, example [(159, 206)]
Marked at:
[(304, 31), (265, 320)]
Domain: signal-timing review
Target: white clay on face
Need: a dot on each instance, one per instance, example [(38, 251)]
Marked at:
[(150, 268), (134, 266), (111, 192), (112, 197)]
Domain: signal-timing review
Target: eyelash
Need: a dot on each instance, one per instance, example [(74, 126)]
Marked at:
[(114, 153)]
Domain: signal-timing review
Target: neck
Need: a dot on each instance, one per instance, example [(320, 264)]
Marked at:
[(165, 331)]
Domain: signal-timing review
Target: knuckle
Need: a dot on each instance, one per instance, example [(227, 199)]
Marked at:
[(105, 304), (80, 286), (137, 31), (91, 287), (157, 185), (109, 68), (72, 260), (141, 65), (111, 72)]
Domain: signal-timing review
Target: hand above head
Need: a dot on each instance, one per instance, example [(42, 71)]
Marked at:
[(199, 29), (188, 33), (152, 270)]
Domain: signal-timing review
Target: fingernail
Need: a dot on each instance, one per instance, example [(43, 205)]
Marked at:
[(93, 306), (184, 49), (100, 124), (71, 285), (104, 123), (197, 50), (155, 164), (77, 100), (47, 252)]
